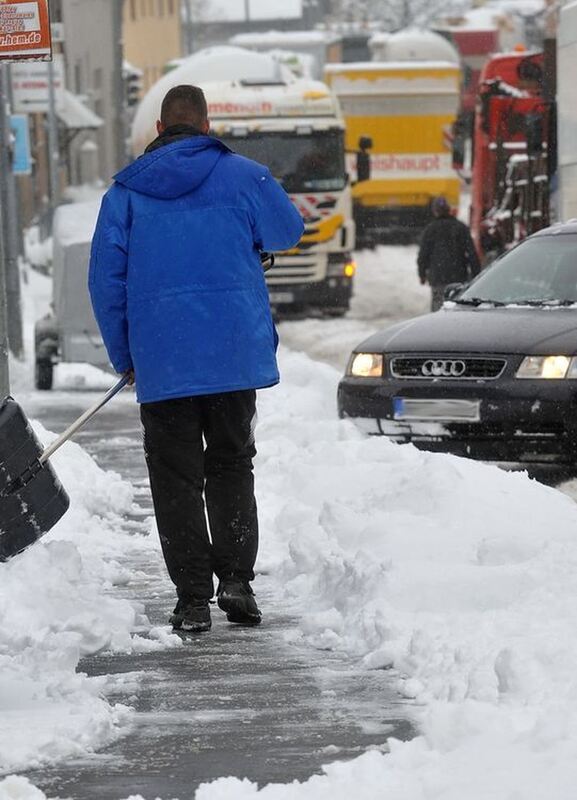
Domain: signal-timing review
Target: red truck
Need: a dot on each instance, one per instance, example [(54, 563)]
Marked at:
[(475, 46), (513, 138)]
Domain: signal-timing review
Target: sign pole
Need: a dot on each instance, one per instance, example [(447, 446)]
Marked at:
[(53, 149), (188, 23), (10, 218), (4, 373)]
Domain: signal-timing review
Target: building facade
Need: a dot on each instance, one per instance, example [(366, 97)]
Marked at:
[(152, 36), (92, 47)]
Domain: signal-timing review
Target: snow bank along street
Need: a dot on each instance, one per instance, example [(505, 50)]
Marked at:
[(458, 577), (55, 607)]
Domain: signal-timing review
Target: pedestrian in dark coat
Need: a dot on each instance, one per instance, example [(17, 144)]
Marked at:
[(447, 253), (179, 293)]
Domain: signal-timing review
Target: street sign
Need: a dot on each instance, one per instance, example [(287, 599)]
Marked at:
[(25, 30), (30, 85), (21, 153)]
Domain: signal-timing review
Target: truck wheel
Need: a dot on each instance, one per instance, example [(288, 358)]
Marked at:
[(335, 312), (44, 375)]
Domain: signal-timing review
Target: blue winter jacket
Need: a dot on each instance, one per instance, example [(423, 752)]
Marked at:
[(175, 277)]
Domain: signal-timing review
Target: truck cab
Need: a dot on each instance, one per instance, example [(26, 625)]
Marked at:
[(511, 153)]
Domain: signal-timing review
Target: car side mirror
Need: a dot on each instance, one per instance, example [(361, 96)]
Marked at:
[(363, 164), (452, 290)]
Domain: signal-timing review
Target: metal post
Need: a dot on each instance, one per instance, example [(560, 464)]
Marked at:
[(53, 149), (4, 374), (247, 10), (18, 212), (120, 121), (188, 27), (550, 49), (11, 229)]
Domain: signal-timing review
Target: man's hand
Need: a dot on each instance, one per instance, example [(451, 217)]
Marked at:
[(423, 281), (130, 375)]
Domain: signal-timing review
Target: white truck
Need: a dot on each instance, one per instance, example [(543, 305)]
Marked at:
[(295, 127), (566, 200)]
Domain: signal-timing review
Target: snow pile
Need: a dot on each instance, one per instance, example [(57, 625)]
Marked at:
[(458, 576), (38, 252), (17, 788), (55, 607)]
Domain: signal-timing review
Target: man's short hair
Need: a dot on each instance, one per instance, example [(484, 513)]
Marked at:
[(184, 105)]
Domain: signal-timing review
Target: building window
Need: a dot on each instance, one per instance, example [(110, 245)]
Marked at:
[(171, 7), (151, 7), (142, 8), (160, 8), (133, 10)]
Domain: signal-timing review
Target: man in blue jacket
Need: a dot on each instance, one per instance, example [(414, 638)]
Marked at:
[(179, 293)]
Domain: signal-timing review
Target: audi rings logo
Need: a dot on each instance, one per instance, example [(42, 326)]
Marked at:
[(443, 369)]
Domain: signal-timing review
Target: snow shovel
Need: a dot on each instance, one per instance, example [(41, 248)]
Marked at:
[(32, 499)]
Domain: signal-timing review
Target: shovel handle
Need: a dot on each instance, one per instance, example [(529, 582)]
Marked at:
[(82, 420)]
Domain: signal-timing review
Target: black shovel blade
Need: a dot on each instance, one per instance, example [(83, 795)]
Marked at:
[(30, 508)]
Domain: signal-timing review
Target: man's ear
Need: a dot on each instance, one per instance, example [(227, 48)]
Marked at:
[(205, 127), (159, 127)]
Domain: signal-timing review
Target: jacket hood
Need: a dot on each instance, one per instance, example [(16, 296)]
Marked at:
[(174, 169)]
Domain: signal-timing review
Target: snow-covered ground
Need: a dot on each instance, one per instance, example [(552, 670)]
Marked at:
[(57, 605), (454, 575)]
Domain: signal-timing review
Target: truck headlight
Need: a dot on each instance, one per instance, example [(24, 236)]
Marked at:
[(366, 365), (341, 265), (550, 367), (350, 268)]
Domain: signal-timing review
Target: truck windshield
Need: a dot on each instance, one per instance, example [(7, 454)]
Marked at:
[(301, 163)]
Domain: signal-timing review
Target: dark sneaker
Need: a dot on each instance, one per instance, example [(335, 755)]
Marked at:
[(191, 617), (236, 598)]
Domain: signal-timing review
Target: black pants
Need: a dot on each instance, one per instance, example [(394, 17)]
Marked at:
[(185, 471)]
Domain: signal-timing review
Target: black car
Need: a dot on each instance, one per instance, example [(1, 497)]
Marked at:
[(493, 374)]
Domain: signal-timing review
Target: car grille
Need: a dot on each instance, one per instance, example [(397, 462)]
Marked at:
[(447, 368)]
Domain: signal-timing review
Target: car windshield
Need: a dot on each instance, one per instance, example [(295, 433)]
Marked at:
[(540, 271), (301, 163)]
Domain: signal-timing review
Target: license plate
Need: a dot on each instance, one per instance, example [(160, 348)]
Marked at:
[(281, 297), (438, 410)]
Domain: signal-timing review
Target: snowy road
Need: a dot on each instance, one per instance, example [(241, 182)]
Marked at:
[(238, 701), (386, 291)]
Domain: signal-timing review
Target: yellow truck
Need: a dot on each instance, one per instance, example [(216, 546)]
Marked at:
[(399, 118)]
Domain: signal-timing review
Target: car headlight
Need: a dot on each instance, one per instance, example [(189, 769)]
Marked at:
[(366, 365), (551, 367)]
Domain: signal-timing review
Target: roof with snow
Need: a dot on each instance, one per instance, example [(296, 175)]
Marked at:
[(413, 44), (284, 38)]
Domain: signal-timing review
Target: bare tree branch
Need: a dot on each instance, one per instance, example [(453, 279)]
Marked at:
[(396, 14)]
